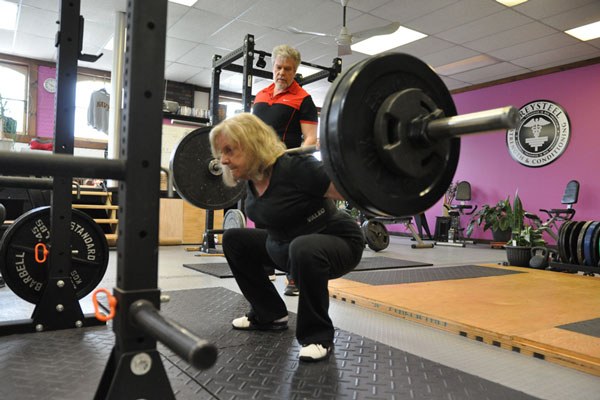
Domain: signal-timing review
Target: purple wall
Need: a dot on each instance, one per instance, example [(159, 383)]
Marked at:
[(45, 104), (486, 163)]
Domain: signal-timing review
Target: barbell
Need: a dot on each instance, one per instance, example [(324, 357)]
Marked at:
[(389, 140)]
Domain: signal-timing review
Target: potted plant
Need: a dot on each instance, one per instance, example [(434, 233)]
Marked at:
[(496, 217), (523, 237)]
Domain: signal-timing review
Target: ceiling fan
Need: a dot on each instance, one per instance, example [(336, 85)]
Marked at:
[(345, 38)]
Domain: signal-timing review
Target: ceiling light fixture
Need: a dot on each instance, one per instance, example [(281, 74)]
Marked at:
[(8, 15), (381, 43), (511, 3), (586, 32), (188, 3)]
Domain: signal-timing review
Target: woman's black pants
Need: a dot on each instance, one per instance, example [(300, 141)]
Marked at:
[(312, 260)]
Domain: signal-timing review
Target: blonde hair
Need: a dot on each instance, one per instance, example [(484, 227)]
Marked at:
[(286, 51), (255, 138)]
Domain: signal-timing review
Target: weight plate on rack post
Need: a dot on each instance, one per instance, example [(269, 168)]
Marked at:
[(348, 145), (24, 241), (234, 218), (572, 242), (376, 235), (596, 249), (581, 242), (197, 175), (563, 246), (588, 245)]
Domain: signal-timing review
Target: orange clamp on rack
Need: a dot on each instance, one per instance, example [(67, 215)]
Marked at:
[(112, 303), (44, 252)]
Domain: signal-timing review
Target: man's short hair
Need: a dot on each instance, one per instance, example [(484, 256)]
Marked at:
[(285, 51)]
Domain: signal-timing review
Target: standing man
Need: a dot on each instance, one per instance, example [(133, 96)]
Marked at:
[(289, 109)]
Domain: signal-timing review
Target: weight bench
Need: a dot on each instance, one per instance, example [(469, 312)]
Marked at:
[(556, 215)]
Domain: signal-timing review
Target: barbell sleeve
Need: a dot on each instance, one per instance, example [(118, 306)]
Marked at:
[(197, 352), (303, 150), (481, 121)]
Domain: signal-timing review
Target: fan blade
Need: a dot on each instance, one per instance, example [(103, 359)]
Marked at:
[(296, 30), (382, 30)]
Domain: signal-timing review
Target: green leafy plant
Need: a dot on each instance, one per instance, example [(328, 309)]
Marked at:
[(504, 216), (498, 217), (522, 234)]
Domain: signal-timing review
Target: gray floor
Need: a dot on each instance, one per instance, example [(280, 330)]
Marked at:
[(535, 377)]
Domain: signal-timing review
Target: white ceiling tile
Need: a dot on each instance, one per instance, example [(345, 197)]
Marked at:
[(575, 17), (499, 22), (26, 45), (277, 13), (425, 46), (448, 56), (225, 8), (533, 47), (236, 29), (175, 48), (452, 84), (201, 55), (407, 10), (325, 18), (181, 72), (555, 55), (38, 22), (50, 5), (174, 13), (540, 9), (510, 37), (197, 24), (203, 78), (95, 36), (491, 72), (454, 15), (6, 41)]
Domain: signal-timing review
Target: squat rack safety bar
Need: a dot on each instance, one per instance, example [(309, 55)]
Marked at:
[(135, 368)]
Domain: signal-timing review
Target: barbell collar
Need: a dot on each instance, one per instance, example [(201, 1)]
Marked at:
[(482, 121), (198, 352)]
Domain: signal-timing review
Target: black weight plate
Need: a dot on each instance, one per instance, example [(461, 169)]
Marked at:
[(234, 218), (376, 235), (348, 146), (27, 278), (596, 249), (192, 177), (572, 241), (588, 244), (581, 241), (563, 247)]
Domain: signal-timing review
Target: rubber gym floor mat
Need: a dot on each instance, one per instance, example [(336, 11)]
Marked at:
[(68, 364), (220, 270), (391, 277), (590, 327), (377, 263)]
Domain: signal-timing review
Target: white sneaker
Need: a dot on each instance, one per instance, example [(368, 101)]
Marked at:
[(272, 277), (244, 323), (314, 352)]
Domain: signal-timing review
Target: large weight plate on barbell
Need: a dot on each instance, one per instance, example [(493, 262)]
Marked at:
[(349, 150), (27, 278), (194, 173)]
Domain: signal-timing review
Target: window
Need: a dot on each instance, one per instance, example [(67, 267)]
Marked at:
[(13, 89), (87, 85)]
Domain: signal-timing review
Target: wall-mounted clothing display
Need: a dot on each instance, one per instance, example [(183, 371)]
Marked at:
[(98, 110)]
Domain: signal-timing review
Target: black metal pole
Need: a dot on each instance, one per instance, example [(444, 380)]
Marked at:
[(197, 352), (61, 165)]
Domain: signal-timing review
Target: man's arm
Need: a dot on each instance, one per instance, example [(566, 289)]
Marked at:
[(309, 133)]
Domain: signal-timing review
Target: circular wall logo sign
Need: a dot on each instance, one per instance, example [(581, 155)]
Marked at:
[(542, 134)]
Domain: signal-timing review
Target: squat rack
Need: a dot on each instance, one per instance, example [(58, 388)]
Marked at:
[(247, 53), (134, 369)]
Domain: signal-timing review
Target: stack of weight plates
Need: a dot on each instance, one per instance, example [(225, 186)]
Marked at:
[(579, 243)]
